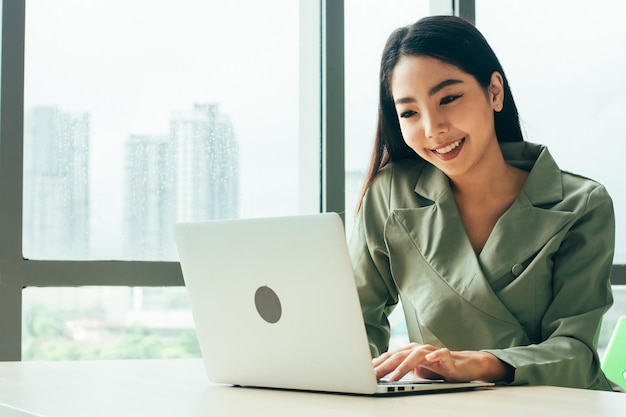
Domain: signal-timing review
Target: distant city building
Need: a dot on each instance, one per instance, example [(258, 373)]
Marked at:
[(56, 184), (190, 175), (150, 198), (207, 181)]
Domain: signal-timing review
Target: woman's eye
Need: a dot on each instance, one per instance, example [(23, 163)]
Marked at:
[(408, 113), (449, 99)]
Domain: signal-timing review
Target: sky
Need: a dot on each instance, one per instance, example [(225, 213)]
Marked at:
[(131, 64)]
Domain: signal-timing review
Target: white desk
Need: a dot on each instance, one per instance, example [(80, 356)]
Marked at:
[(179, 388)]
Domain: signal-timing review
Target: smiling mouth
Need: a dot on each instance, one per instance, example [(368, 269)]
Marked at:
[(450, 147)]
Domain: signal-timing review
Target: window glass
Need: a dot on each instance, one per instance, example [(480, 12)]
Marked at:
[(140, 114), (107, 323)]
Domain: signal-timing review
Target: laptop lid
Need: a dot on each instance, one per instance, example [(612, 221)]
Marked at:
[(275, 304)]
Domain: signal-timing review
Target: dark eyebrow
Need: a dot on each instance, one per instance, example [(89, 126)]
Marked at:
[(434, 90), (442, 85)]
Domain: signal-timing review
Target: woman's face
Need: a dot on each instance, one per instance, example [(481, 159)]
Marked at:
[(445, 116)]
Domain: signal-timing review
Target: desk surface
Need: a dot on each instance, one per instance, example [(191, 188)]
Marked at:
[(179, 387)]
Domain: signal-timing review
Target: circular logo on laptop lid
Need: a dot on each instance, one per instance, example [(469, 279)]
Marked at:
[(267, 304)]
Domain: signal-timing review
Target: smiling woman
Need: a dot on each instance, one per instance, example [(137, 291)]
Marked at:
[(553, 69), (447, 118), (463, 222)]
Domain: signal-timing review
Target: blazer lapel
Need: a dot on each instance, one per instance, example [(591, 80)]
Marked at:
[(439, 236), (526, 227), (437, 232), (519, 234)]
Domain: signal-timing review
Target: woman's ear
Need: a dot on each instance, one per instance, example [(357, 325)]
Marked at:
[(496, 91)]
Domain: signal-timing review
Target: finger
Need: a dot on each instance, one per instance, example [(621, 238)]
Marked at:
[(439, 355), (385, 356), (410, 362), (443, 363), (390, 363), (380, 359)]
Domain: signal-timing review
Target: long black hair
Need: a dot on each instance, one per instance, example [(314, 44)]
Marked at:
[(452, 40)]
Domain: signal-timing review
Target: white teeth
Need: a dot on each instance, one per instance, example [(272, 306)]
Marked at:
[(449, 147)]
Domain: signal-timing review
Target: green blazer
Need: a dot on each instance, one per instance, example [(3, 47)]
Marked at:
[(535, 295)]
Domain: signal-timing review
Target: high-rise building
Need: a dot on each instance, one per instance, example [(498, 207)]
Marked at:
[(150, 198), (190, 175), (207, 182), (56, 184)]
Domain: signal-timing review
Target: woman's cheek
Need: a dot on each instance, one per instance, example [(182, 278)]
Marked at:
[(411, 137)]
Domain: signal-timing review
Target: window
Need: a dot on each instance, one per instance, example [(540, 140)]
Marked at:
[(167, 112)]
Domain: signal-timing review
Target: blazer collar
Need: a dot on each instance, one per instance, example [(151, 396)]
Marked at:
[(521, 231), (544, 184)]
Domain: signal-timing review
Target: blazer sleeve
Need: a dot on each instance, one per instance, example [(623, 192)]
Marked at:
[(581, 295), (370, 261)]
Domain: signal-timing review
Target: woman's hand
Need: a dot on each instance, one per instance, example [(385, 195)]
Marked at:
[(427, 361)]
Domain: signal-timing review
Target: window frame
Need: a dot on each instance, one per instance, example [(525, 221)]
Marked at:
[(321, 130)]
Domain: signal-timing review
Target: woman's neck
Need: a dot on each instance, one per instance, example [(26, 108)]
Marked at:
[(495, 180)]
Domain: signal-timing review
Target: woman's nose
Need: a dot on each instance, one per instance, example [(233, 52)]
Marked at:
[(434, 125)]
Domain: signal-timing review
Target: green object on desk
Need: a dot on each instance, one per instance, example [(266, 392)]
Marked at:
[(614, 363)]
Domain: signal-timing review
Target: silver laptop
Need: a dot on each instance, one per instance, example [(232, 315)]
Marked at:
[(275, 305)]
